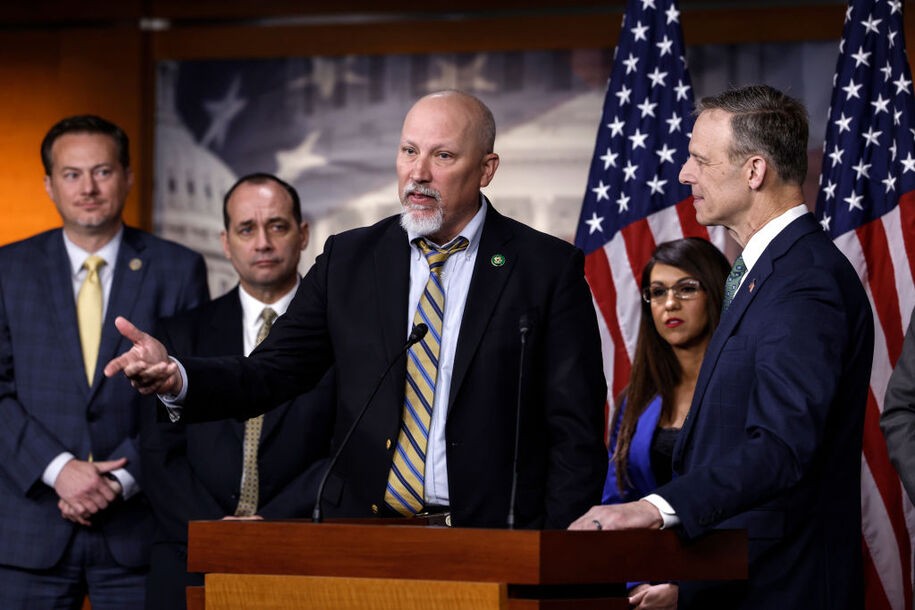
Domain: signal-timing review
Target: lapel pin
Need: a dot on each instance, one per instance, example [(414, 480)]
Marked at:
[(752, 286), (135, 264), (497, 260)]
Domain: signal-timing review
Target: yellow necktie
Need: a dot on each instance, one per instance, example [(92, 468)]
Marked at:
[(89, 314), (250, 479), (406, 479)]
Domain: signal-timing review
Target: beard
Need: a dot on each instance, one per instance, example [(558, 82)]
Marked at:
[(421, 220)]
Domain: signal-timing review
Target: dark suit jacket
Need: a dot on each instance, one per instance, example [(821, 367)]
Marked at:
[(194, 471), (898, 418), (45, 403), (772, 442), (351, 309)]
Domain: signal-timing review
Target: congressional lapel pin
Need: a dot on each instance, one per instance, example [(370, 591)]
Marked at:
[(497, 260), (135, 264)]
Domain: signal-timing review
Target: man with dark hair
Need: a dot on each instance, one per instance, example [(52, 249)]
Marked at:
[(772, 443), (262, 467), (73, 516), (440, 434)]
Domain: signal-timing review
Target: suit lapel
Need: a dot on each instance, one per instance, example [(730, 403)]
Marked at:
[(486, 287), (391, 289), (223, 336), (58, 276), (752, 285)]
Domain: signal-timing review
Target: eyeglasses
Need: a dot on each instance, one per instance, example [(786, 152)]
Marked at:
[(684, 290)]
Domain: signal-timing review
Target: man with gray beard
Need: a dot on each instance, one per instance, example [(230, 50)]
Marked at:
[(440, 434)]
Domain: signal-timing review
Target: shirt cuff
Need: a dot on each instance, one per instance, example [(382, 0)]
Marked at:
[(50, 474), (174, 402), (668, 514)]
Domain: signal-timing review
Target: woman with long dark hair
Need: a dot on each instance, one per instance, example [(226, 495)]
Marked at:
[(682, 291)]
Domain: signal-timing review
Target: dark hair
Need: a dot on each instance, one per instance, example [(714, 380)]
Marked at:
[(262, 178), (766, 122), (655, 369), (85, 123)]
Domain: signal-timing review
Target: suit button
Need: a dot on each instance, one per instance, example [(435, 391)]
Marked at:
[(374, 509), (387, 444)]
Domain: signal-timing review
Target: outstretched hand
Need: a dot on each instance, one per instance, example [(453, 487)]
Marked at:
[(146, 364)]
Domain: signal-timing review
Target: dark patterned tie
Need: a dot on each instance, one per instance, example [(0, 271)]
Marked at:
[(250, 481), (733, 282), (404, 492)]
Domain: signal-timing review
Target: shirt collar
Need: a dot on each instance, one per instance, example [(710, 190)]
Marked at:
[(78, 256), (762, 238), (471, 231), (251, 308)]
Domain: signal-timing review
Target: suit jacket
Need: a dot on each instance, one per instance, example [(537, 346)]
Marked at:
[(772, 442), (351, 310), (898, 418), (641, 476), (194, 471), (45, 402)]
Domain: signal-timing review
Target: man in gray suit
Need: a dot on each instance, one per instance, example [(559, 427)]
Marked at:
[(898, 419)]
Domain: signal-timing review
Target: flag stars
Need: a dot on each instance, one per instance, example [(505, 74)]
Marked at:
[(830, 190), (647, 4), (616, 127), (871, 137), (880, 105), (843, 123), (887, 71), (665, 46), (638, 139), (595, 223), (871, 24), (666, 154), (609, 159), (892, 37), (630, 169), (639, 31), (624, 94), (902, 85), (622, 203), (890, 183), (851, 90), (908, 164), (631, 63), (861, 57), (854, 202), (673, 15), (862, 169), (836, 155), (825, 222), (673, 123), (656, 185), (601, 191), (647, 108), (895, 6), (657, 78), (681, 90)]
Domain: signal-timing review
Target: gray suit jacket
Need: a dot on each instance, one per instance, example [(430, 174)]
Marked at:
[(898, 419)]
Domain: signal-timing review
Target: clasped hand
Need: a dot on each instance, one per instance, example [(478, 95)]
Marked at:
[(84, 490)]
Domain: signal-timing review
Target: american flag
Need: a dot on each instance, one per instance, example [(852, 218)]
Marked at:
[(867, 204), (633, 199)]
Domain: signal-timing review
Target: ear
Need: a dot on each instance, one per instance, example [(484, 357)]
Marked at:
[(303, 231), (490, 165), (128, 173), (48, 188), (224, 238), (757, 172)]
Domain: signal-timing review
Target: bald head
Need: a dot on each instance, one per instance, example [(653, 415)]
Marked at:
[(478, 115)]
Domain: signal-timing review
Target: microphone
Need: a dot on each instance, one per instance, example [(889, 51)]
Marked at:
[(524, 327), (416, 335)]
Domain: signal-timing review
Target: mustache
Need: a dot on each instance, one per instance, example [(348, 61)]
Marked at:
[(420, 189)]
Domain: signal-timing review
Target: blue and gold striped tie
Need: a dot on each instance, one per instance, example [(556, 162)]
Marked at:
[(404, 492)]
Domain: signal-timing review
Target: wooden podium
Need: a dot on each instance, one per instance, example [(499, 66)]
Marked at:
[(279, 565)]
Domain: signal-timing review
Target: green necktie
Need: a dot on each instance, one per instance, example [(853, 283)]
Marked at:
[(250, 480), (733, 282), (404, 492), (89, 314)]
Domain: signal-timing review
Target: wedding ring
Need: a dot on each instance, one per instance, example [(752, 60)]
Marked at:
[(597, 524)]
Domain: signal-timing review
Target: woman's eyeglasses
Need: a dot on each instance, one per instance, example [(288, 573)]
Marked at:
[(684, 290)]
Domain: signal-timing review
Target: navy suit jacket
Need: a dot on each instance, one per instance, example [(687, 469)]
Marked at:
[(351, 310), (46, 405), (773, 439)]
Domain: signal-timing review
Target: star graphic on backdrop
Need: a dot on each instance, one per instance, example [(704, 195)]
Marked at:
[(222, 113), (293, 163), (452, 76), (326, 75)]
